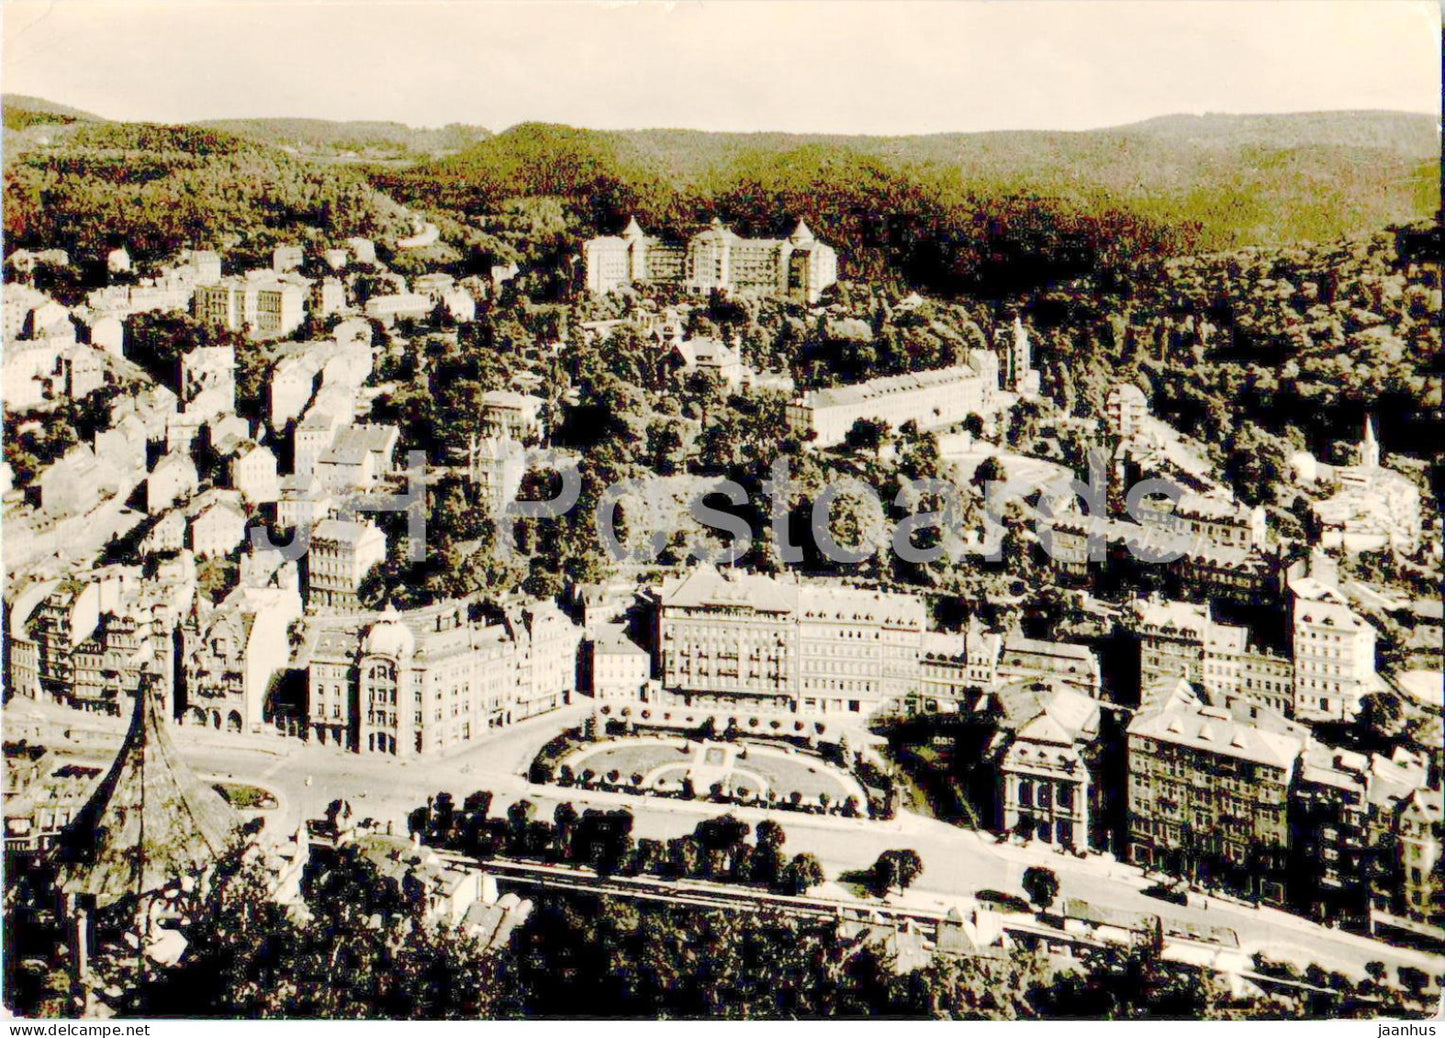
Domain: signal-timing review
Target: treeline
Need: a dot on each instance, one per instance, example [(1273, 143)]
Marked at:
[(157, 189), (890, 220), (718, 848), (984, 213), (326, 136), (362, 949)]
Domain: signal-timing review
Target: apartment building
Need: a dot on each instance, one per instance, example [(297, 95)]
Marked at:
[(261, 303), (1074, 666), (1209, 795), (954, 668), (1219, 521), (1182, 640), (1125, 409), (424, 681), (516, 416), (342, 553), (1334, 659), (231, 655), (1331, 860)]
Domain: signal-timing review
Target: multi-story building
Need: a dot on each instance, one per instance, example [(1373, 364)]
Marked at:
[(1125, 409), (756, 642), (1334, 659), (1171, 641), (1392, 783), (46, 621), (280, 306), (1182, 640), (359, 458), (1418, 834), (798, 267), (399, 306), (930, 398), (84, 643), (1046, 752), (496, 465), (209, 371), (1209, 795), (222, 303), (428, 680), (173, 479), (954, 668), (313, 435), (203, 266), (341, 554), (232, 654), (617, 667), (252, 471), (328, 296), (261, 303), (516, 416), (107, 666), (1214, 519), (1330, 857), (218, 525), (547, 645), (1029, 658)]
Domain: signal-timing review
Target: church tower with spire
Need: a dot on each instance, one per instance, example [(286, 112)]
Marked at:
[(1369, 446)]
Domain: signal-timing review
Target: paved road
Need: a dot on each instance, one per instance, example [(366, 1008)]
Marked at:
[(957, 863)]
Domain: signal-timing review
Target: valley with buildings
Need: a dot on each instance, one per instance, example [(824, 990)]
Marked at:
[(439, 553)]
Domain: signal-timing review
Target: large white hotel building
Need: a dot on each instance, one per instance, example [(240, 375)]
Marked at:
[(798, 267)]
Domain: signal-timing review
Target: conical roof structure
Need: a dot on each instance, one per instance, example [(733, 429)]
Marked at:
[(149, 822)]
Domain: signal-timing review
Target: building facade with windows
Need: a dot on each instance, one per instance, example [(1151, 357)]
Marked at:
[(231, 655), (1046, 753), (341, 554), (1209, 795), (1334, 659), (742, 639), (425, 681), (932, 399), (798, 267)]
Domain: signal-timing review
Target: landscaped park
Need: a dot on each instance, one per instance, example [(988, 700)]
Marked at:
[(791, 770)]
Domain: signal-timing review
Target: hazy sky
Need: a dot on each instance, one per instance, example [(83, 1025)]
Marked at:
[(837, 66)]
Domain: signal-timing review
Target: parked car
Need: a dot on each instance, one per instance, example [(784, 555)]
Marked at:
[(1174, 895), (1003, 902)]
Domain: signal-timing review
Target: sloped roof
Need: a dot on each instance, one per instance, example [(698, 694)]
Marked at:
[(1049, 712), (1214, 731), (150, 820), (887, 385), (705, 586)]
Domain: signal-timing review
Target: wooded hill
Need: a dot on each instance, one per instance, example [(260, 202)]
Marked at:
[(360, 139), (91, 185), (974, 211)]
